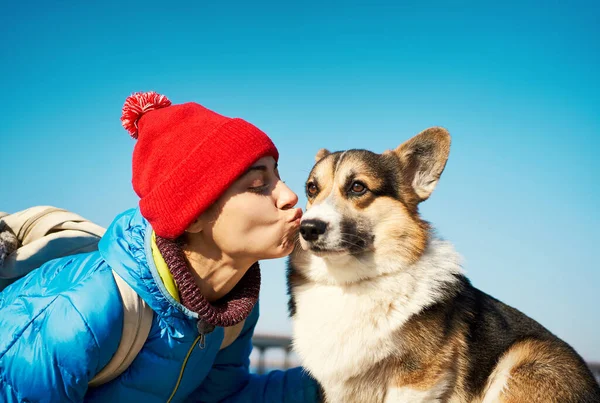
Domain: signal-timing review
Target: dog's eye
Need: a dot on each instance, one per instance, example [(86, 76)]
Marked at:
[(358, 188), (311, 189)]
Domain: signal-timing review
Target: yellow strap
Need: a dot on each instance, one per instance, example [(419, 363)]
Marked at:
[(163, 270)]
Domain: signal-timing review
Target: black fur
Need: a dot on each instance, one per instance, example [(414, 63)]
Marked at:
[(356, 236), (384, 167), (291, 273)]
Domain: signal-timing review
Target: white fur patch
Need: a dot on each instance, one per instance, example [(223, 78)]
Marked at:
[(324, 211), (498, 381), (341, 329), (423, 183)]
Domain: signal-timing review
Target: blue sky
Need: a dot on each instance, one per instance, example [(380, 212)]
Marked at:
[(516, 84)]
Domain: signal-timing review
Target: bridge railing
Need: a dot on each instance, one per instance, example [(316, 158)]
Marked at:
[(264, 342)]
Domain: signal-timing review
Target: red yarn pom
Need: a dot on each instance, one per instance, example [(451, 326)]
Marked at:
[(136, 105)]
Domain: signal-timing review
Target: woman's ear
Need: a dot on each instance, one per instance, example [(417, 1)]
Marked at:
[(196, 226)]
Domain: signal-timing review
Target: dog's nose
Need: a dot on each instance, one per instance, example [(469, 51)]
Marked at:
[(312, 229)]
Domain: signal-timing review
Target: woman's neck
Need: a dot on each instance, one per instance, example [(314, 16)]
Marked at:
[(214, 273), (233, 290)]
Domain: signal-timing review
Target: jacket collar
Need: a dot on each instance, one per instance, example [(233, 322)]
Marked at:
[(127, 249)]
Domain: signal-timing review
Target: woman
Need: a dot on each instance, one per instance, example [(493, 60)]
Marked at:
[(211, 206)]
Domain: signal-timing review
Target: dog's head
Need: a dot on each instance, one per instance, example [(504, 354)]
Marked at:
[(362, 215)]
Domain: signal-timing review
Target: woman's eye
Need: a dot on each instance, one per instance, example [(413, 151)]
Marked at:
[(311, 189), (258, 186), (358, 188)]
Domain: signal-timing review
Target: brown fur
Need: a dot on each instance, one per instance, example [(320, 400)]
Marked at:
[(541, 371)]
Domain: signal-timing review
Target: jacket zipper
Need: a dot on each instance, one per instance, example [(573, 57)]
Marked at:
[(200, 338)]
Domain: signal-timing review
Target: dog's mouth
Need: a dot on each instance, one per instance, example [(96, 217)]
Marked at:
[(323, 252)]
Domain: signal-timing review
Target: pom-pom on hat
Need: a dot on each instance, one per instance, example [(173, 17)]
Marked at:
[(185, 157)]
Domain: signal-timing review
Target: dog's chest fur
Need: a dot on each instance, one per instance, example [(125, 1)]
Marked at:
[(341, 331)]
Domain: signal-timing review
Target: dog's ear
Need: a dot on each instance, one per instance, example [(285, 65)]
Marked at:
[(423, 160), (322, 153)]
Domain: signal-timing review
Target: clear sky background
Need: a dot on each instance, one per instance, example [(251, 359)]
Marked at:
[(516, 84)]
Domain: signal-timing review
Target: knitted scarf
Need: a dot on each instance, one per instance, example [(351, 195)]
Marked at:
[(227, 311)]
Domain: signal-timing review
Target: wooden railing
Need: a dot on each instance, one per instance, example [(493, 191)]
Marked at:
[(263, 342)]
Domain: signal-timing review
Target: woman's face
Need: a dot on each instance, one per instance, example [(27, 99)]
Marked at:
[(255, 218)]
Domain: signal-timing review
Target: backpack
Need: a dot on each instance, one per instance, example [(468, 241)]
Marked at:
[(34, 236)]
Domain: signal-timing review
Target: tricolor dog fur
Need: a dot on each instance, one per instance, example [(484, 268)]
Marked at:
[(381, 308)]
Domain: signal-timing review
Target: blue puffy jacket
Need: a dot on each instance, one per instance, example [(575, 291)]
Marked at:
[(61, 324)]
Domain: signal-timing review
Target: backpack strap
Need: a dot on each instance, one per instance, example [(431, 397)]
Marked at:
[(137, 321)]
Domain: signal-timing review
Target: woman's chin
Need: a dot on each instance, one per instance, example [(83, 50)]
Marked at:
[(279, 252)]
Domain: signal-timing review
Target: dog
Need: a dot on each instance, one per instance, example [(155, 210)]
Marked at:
[(381, 308)]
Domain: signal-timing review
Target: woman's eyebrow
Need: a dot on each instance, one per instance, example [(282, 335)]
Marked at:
[(261, 168)]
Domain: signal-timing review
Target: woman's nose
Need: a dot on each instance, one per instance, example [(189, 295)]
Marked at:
[(286, 198)]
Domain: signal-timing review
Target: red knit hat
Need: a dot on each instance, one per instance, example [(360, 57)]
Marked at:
[(185, 157)]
